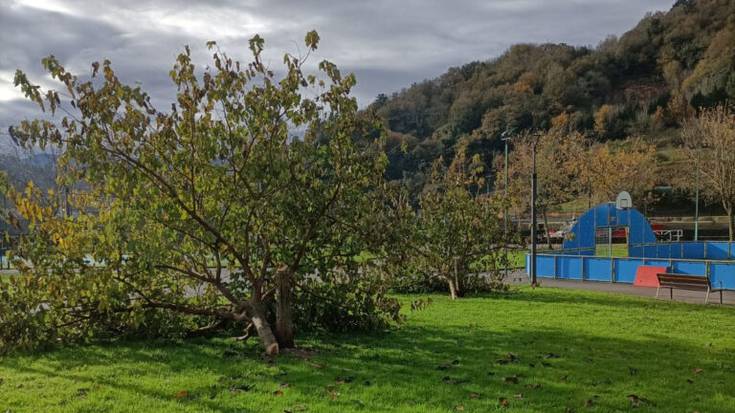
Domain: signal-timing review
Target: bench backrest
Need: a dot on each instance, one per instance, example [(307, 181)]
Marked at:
[(683, 279)]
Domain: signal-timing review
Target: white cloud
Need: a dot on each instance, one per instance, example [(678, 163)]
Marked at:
[(388, 44), (8, 92), (55, 6)]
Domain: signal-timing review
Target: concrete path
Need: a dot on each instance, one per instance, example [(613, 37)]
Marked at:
[(695, 297)]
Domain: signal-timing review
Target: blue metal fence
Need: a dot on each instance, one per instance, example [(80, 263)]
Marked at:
[(698, 250), (623, 269), (577, 260)]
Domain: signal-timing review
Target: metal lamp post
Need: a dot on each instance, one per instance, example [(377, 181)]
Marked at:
[(696, 206), (533, 213), (505, 137)]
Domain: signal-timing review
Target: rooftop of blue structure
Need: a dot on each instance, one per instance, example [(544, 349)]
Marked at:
[(581, 239)]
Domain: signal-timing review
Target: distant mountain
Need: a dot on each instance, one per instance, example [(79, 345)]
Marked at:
[(6, 144), (38, 168), (643, 83)]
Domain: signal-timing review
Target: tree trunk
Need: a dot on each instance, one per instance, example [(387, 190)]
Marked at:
[(546, 228), (260, 322), (284, 310), (452, 289), (730, 223), (453, 280)]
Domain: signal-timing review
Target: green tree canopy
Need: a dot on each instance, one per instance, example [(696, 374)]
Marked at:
[(217, 209)]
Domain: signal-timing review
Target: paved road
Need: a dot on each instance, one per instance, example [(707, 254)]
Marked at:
[(519, 277), (697, 297)]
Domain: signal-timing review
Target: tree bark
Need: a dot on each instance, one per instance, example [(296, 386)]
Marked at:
[(452, 289), (260, 322), (284, 310), (730, 223)]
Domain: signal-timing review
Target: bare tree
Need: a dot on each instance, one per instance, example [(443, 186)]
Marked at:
[(709, 139)]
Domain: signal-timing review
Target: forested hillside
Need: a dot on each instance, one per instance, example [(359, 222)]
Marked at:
[(644, 83)]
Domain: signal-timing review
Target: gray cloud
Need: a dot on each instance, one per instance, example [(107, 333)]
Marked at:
[(388, 44)]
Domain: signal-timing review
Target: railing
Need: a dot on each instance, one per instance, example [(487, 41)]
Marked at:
[(714, 259), (704, 250), (674, 235)]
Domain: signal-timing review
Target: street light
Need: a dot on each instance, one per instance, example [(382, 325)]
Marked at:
[(533, 212), (696, 207), (505, 137)]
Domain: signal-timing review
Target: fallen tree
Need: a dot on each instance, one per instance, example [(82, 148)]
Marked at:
[(239, 204)]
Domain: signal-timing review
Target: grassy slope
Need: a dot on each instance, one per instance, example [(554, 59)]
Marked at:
[(444, 359)]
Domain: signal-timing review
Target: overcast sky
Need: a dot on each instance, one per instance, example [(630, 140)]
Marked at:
[(388, 44)]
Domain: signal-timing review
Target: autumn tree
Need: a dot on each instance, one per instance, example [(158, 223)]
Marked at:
[(458, 237), (236, 205), (559, 162), (613, 167), (570, 167), (709, 141)]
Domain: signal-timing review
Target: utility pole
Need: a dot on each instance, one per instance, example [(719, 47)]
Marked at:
[(696, 207), (533, 213), (505, 138)]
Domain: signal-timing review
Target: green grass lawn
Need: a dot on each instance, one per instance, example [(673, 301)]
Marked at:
[(543, 350), (618, 250)]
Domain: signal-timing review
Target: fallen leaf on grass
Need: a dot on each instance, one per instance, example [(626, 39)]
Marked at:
[(297, 408), (533, 386), (181, 394), (332, 392), (551, 356), (278, 393), (344, 379), (508, 358), (474, 396), (453, 380), (637, 401), (697, 370), (241, 387), (690, 381), (302, 353), (82, 392), (511, 379), (503, 402), (459, 408), (519, 396)]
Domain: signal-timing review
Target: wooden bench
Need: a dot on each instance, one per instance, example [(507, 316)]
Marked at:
[(686, 282)]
